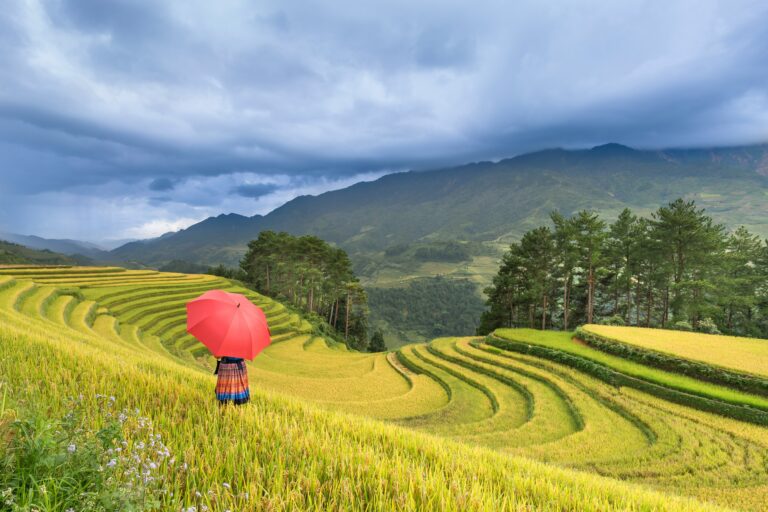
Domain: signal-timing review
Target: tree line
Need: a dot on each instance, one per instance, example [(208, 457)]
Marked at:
[(674, 269), (313, 276)]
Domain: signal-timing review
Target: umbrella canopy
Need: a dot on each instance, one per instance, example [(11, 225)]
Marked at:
[(228, 324)]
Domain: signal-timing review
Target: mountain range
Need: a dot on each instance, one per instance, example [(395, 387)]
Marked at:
[(489, 201)]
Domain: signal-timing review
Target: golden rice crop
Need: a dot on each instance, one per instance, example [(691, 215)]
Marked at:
[(496, 404), (743, 354), (279, 454)]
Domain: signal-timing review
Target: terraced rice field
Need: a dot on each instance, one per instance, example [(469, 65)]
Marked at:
[(747, 355), (565, 343), (458, 412)]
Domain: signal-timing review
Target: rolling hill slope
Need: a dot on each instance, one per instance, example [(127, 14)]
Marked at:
[(123, 333)]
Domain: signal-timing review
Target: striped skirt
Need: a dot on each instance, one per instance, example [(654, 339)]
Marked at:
[(232, 384)]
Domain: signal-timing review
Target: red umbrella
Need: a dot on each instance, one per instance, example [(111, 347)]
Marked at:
[(228, 324)]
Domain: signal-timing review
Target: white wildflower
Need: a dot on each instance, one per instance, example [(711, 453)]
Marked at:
[(71, 448)]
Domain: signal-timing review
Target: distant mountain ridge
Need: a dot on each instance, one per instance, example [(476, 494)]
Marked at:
[(62, 246), (14, 254), (487, 201)]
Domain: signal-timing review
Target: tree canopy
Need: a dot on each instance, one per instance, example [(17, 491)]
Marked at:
[(313, 276), (677, 267)]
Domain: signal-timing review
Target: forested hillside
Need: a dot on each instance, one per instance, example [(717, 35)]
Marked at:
[(676, 268), (312, 276), (11, 253), (426, 308)]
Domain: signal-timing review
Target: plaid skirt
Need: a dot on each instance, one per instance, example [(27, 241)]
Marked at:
[(232, 384)]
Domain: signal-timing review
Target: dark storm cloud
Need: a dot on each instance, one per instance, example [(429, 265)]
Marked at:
[(105, 104), (255, 191), (161, 184)]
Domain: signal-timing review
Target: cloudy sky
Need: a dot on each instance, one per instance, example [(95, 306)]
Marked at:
[(131, 118)]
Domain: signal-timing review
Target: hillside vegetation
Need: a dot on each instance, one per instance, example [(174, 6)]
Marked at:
[(676, 268), (395, 228), (120, 333), (426, 308)]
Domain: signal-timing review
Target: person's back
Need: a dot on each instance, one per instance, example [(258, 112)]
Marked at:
[(232, 382)]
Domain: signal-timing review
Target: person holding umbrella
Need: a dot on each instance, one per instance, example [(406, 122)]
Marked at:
[(233, 329), (232, 383)]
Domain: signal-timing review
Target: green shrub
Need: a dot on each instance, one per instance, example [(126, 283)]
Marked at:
[(682, 326), (614, 320), (66, 464), (708, 326)]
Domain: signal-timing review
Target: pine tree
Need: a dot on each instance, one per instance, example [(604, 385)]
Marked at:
[(377, 342)]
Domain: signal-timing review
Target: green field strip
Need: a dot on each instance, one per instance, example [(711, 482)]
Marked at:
[(169, 299), (9, 289), (145, 281), (163, 328), (158, 322), (74, 276), (43, 271), (84, 281), (670, 454), (515, 405), (564, 376), (595, 418), (144, 302), (19, 293), (467, 404), (562, 342), (381, 383), (112, 297), (60, 309), (135, 282), (602, 419), (35, 302), (423, 397), (553, 414), (82, 316), (131, 335), (108, 327), (135, 314), (6, 282), (279, 338), (742, 448), (291, 359)]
